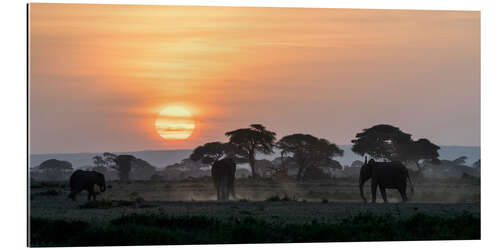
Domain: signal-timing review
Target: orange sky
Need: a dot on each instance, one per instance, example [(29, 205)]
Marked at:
[(100, 74)]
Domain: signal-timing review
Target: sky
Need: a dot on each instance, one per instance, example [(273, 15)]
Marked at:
[(103, 77)]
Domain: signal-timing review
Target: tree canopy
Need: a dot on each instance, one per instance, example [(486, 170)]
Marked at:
[(380, 141), (55, 165), (414, 151), (208, 153), (308, 151), (249, 141), (211, 152), (123, 165), (390, 143)]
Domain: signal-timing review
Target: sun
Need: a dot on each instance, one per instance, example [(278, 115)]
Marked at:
[(174, 123)]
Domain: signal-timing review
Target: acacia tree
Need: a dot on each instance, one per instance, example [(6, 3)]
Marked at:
[(380, 142), (211, 152), (55, 169), (415, 151), (390, 143), (123, 166), (109, 159), (308, 151), (208, 153), (98, 161), (249, 141)]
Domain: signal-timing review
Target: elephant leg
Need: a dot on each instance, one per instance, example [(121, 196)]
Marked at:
[(383, 193), (374, 192), (224, 191), (90, 193), (73, 193), (402, 191), (232, 191)]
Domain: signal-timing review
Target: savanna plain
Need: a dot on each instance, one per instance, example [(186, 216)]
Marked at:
[(264, 211)]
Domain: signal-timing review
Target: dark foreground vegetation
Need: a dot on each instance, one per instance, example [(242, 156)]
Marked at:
[(154, 229)]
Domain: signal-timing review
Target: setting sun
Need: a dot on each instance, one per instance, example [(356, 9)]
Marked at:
[(175, 122)]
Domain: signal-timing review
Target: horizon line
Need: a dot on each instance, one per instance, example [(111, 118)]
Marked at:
[(180, 149)]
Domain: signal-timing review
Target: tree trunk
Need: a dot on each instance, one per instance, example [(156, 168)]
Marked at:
[(418, 166), (300, 173), (251, 161)]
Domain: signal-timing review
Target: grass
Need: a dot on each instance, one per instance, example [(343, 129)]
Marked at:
[(106, 204), (154, 229), (50, 192)]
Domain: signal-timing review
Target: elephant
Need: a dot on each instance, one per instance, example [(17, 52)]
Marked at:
[(85, 180), (223, 172), (384, 175)]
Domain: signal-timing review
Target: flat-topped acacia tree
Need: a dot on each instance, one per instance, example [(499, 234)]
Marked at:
[(250, 141), (388, 142), (308, 151)]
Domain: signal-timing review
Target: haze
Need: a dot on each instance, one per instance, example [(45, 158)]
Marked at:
[(100, 74)]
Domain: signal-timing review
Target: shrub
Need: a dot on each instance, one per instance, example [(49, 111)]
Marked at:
[(148, 229), (278, 198)]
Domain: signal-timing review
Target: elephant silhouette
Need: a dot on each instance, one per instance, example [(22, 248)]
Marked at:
[(384, 175), (223, 172), (85, 180)]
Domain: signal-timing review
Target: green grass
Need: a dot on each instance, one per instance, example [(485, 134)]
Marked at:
[(154, 229)]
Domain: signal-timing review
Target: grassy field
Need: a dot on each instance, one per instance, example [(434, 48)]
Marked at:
[(168, 213)]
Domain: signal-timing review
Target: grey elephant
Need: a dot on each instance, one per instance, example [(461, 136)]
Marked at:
[(85, 180), (384, 175), (223, 172)]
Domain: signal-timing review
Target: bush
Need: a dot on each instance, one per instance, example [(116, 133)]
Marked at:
[(143, 229), (278, 198)]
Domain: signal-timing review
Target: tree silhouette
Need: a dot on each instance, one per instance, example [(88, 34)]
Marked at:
[(213, 151), (460, 160), (98, 161), (109, 158), (390, 143), (250, 141), (123, 165), (380, 142), (55, 169), (421, 149), (308, 151), (208, 153), (477, 164), (55, 165), (141, 169)]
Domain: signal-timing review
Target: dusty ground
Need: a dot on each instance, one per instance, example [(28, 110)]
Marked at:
[(321, 201)]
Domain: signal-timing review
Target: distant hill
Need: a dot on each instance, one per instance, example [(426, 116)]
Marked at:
[(163, 158)]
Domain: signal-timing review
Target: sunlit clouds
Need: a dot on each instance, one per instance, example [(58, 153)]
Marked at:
[(107, 71)]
